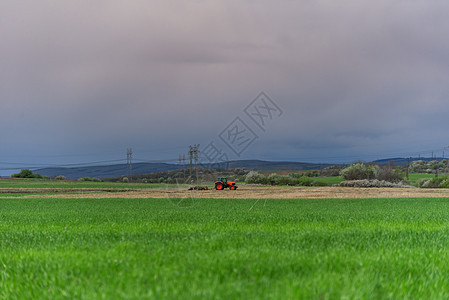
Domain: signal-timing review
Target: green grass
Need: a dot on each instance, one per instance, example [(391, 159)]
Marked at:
[(414, 177), (67, 184), (328, 180), (224, 249)]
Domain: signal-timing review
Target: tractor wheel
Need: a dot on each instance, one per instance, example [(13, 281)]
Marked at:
[(232, 187), (219, 186)]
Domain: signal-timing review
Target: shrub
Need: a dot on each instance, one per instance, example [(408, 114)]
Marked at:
[(436, 182), (358, 172), (429, 167), (171, 180), (313, 173), (85, 179), (296, 175), (445, 183), (362, 172), (275, 179), (331, 171), (422, 182), (388, 173), (254, 177), (286, 180), (125, 179), (304, 181), (370, 183), (26, 173), (59, 177)]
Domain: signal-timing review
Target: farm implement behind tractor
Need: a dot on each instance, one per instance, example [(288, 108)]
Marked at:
[(223, 183), (198, 188)]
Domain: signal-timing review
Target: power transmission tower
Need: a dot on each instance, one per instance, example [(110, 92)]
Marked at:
[(194, 154), (408, 166), (129, 162), (447, 163), (190, 158), (183, 159)]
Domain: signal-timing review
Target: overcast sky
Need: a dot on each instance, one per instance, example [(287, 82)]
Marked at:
[(82, 81)]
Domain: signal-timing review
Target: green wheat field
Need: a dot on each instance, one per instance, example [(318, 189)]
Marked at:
[(224, 249)]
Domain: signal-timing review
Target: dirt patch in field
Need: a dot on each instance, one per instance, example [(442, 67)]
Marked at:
[(255, 192)]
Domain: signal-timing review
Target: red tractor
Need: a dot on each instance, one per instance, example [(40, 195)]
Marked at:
[(223, 183)]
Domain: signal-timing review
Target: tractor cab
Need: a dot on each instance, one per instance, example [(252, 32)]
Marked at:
[(223, 183), (223, 179)]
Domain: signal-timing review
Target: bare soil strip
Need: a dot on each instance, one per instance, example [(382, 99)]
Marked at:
[(253, 192)]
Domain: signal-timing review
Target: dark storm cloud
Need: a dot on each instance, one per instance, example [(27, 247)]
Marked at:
[(355, 78)]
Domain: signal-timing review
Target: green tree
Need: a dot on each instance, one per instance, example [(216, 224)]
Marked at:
[(26, 173), (358, 172)]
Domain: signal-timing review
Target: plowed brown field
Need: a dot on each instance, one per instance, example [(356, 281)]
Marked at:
[(256, 192)]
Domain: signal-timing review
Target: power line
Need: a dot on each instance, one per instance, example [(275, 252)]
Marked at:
[(194, 153), (155, 160), (35, 165)]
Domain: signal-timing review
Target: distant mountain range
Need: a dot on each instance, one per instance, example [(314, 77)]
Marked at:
[(400, 161), (109, 171), (106, 171)]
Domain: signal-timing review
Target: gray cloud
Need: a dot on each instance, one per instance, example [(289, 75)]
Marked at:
[(355, 78)]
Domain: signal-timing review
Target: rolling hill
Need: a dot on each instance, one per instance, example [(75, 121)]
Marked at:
[(108, 171)]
